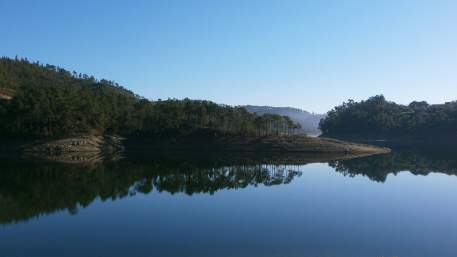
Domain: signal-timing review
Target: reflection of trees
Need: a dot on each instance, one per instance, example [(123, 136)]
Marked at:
[(377, 167), (211, 180), (30, 189)]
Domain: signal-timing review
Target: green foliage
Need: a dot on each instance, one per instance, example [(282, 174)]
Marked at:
[(49, 101), (376, 116)]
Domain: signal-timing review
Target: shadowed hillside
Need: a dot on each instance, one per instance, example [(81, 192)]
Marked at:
[(46, 101), (377, 118)]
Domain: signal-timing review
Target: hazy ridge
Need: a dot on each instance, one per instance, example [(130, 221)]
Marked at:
[(309, 121)]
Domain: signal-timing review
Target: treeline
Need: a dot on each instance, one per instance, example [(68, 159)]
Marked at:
[(48, 101), (379, 117)]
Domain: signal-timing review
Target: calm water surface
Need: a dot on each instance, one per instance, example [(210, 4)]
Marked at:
[(402, 204)]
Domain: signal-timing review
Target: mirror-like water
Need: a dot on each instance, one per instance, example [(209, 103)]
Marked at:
[(401, 204)]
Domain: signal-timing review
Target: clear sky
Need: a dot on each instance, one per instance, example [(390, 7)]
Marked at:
[(307, 54)]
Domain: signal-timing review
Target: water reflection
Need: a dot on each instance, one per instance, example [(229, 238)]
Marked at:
[(32, 189), (320, 213), (378, 167)]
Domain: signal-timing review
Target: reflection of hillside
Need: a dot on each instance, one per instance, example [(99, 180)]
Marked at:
[(377, 167), (29, 189)]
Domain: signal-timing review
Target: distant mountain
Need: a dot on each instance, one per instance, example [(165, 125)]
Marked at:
[(309, 121)]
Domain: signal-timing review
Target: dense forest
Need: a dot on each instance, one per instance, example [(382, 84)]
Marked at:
[(379, 117), (45, 101)]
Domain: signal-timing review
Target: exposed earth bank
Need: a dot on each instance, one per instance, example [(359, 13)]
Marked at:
[(295, 143), (90, 148)]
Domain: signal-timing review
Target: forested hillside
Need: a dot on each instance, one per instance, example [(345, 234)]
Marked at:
[(378, 117), (45, 101), (308, 121)]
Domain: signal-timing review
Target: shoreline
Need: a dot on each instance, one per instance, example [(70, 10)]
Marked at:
[(437, 142), (272, 144), (83, 148)]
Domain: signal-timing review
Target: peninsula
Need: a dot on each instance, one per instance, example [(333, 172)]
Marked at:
[(44, 108)]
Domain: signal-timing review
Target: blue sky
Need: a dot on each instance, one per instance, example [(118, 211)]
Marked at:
[(307, 54)]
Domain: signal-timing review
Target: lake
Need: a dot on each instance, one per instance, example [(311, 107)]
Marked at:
[(400, 204)]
